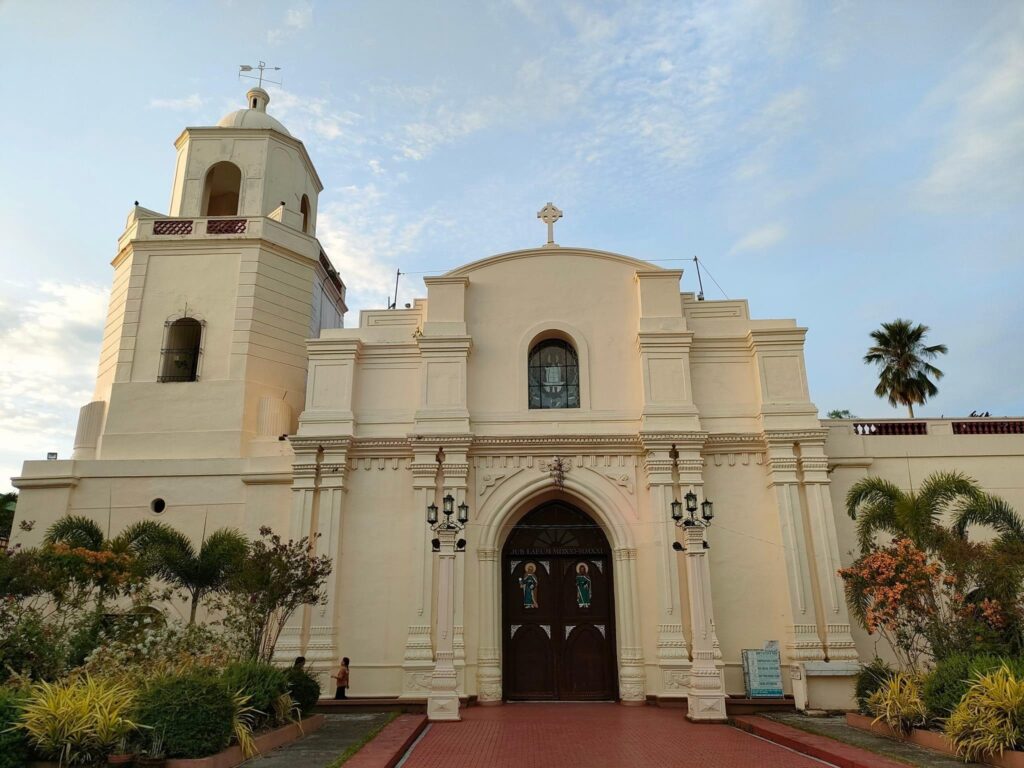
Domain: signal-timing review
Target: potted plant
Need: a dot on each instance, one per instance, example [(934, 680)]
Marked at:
[(123, 753), (154, 754)]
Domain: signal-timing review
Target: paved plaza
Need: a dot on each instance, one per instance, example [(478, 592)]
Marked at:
[(592, 736)]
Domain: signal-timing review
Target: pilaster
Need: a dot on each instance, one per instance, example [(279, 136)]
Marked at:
[(673, 655), (632, 689), (814, 473), (803, 643), (418, 659), (488, 676)]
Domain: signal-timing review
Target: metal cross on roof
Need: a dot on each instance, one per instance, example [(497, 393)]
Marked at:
[(549, 214)]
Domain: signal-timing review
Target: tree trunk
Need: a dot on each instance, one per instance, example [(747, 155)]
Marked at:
[(910, 407), (195, 606)]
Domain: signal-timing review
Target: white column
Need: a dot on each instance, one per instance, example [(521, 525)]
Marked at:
[(706, 699), (632, 688), (488, 675), (838, 637), (418, 660), (456, 475), (443, 699)]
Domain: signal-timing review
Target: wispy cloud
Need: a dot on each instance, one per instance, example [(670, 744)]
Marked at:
[(981, 151), (191, 102), (49, 339), (296, 18), (761, 239)]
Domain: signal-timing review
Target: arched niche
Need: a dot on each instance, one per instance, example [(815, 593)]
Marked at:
[(222, 189)]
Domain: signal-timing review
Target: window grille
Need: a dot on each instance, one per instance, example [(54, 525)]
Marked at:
[(179, 358), (554, 375)]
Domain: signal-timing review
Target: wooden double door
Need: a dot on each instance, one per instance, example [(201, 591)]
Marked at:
[(557, 608)]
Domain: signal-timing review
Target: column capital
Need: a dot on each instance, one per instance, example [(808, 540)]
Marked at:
[(487, 553)]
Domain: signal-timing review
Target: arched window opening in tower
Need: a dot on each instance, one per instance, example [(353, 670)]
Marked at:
[(304, 209), (223, 186), (180, 355), (554, 375)]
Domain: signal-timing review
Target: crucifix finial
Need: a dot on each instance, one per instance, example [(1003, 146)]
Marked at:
[(549, 214)]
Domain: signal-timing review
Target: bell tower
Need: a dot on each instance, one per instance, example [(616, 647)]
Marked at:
[(204, 349)]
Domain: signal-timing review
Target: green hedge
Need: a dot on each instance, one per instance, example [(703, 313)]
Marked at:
[(949, 681), (262, 683), (304, 688), (13, 746), (194, 713)]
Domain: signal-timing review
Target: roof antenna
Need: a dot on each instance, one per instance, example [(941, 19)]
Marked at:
[(262, 66), (394, 304), (700, 296)]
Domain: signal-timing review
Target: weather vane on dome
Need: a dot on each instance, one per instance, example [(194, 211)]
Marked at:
[(261, 67)]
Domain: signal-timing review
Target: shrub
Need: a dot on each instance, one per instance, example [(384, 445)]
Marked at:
[(13, 746), (304, 688), (949, 681), (870, 678), (990, 717), (262, 683), (193, 712), (898, 703), (77, 721)]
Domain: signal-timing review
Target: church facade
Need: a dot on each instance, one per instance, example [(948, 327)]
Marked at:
[(550, 403)]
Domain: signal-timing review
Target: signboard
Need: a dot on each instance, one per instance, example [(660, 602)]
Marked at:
[(762, 673)]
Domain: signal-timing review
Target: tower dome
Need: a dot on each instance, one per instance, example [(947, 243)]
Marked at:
[(254, 116)]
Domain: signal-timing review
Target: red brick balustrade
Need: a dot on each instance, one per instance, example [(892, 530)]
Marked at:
[(988, 427), (888, 428), (225, 226), (172, 227)]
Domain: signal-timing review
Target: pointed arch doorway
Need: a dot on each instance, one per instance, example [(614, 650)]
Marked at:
[(558, 612)]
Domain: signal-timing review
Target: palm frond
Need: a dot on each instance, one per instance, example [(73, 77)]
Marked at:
[(992, 512), (75, 531), (874, 491)]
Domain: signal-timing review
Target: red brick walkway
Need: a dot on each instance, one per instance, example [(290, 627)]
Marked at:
[(592, 736)]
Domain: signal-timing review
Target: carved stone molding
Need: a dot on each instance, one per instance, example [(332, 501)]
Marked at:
[(487, 554), (621, 479), (732, 459), (795, 435), (734, 443), (490, 480)]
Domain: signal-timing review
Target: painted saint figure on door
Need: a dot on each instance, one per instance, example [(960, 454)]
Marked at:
[(528, 584), (582, 585)]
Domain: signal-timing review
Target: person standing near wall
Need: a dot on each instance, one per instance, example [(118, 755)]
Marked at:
[(342, 679)]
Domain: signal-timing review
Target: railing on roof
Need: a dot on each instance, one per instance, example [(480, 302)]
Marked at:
[(988, 427), (888, 428)]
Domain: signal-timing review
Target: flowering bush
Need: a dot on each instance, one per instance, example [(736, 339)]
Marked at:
[(150, 649), (928, 606), (275, 579)]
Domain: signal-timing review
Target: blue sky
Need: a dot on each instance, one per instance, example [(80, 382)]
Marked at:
[(842, 164)]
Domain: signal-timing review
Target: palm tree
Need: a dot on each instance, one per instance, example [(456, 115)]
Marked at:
[(175, 559), (881, 506), (900, 353), (161, 550)]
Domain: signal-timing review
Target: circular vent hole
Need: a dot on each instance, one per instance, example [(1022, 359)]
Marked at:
[(157, 506)]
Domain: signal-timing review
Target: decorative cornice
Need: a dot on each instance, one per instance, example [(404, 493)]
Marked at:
[(557, 444), (267, 478), (734, 443), (312, 443), (795, 435)]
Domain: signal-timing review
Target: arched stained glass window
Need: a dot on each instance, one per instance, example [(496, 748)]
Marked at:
[(554, 375)]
